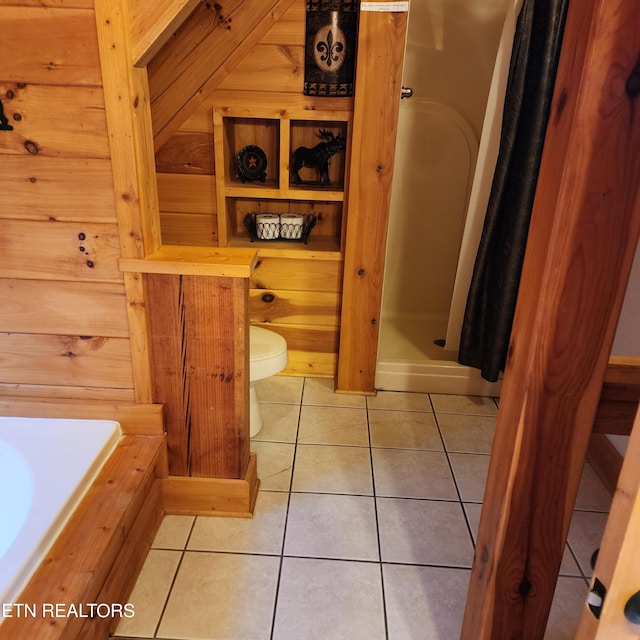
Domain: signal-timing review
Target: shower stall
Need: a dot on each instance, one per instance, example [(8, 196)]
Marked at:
[(451, 54)]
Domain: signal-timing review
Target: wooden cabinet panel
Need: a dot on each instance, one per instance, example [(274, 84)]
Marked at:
[(73, 308), (66, 51), (60, 251), (46, 188), (65, 360), (54, 120)]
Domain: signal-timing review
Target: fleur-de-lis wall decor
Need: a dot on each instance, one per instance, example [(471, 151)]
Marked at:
[(330, 47)]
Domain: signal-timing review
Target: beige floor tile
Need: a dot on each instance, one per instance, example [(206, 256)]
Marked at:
[(405, 473), (173, 532), (470, 405), (566, 609), (332, 469), (150, 593), (470, 471), (275, 464), (404, 430), (287, 389), (585, 536), (399, 401), (221, 596), (467, 434), (332, 526), (424, 603), (424, 532), (280, 423), (263, 533), (592, 494), (320, 391), (333, 425), (329, 600)]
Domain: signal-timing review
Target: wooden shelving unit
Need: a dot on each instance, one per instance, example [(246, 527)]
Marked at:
[(279, 136)]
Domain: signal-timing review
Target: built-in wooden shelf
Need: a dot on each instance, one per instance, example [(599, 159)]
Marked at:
[(232, 262)]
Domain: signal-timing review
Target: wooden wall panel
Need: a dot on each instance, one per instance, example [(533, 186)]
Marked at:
[(65, 360), (192, 229), (290, 29), (187, 152), (54, 120), (60, 251), (269, 68), (320, 308), (71, 308), (210, 62), (46, 188), (301, 275), (66, 392), (172, 59), (67, 4), (66, 52), (187, 193)]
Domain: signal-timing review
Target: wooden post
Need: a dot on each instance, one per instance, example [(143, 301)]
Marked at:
[(381, 42), (583, 235), (200, 348)]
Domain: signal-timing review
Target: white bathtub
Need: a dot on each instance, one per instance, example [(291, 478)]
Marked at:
[(46, 467)]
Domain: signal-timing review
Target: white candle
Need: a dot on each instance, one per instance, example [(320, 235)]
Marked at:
[(291, 225), (267, 226)]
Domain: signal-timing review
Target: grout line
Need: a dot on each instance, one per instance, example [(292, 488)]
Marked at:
[(453, 475), (375, 510), (286, 517)]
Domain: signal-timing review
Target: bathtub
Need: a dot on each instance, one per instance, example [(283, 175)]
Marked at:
[(46, 467)]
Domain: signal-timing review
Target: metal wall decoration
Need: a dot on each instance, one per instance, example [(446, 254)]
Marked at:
[(318, 156), (330, 47), (4, 123)]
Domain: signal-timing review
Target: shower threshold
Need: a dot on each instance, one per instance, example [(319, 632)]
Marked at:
[(410, 360)]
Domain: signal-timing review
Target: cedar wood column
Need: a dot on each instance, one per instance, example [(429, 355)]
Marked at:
[(583, 236)]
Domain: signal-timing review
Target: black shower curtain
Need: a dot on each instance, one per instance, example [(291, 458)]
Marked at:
[(494, 285)]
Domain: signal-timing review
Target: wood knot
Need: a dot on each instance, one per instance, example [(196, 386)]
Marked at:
[(632, 86), (31, 147)]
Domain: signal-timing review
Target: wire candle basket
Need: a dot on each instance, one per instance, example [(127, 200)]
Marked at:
[(291, 227)]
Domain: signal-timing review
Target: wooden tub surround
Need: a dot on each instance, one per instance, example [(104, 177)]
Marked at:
[(98, 555)]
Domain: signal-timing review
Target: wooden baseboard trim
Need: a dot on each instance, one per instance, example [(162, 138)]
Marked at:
[(605, 460), (184, 495)]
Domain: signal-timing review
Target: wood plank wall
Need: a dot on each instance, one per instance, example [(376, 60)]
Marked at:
[(303, 295), (63, 315)]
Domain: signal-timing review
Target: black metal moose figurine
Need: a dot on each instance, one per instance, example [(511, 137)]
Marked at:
[(318, 156)]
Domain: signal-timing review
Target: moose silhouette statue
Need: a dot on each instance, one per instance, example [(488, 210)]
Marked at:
[(318, 156)]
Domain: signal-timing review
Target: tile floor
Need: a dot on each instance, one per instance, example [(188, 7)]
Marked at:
[(363, 528)]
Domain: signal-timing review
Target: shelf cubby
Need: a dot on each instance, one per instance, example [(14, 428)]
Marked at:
[(278, 138)]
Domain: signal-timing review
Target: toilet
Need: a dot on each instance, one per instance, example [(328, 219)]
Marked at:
[(267, 356)]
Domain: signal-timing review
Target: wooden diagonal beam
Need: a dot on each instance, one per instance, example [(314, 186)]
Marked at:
[(208, 63)]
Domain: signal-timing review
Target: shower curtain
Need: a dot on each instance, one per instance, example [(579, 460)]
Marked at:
[(494, 285)]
